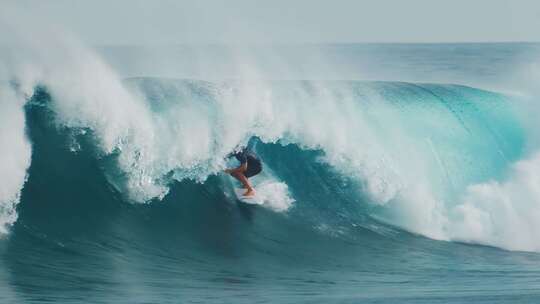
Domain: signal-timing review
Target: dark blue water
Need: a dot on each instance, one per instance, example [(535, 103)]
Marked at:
[(82, 236)]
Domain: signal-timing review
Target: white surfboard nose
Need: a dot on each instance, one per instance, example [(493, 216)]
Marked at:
[(252, 199)]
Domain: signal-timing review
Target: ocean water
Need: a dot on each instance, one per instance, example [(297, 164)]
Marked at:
[(393, 173)]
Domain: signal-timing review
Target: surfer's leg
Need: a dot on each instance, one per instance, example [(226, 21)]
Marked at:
[(243, 179)]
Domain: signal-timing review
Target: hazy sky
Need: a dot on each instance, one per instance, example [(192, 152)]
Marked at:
[(286, 21)]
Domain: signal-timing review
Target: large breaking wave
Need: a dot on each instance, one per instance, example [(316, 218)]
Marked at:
[(433, 159), (446, 161)]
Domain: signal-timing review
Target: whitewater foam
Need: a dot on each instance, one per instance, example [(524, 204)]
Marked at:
[(503, 214), (15, 153)]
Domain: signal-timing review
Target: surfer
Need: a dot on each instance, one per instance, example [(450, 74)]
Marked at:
[(250, 165)]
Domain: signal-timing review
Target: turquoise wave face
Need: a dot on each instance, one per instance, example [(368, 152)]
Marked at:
[(462, 135)]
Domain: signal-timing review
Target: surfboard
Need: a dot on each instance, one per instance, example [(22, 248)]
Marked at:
[(252, 200)]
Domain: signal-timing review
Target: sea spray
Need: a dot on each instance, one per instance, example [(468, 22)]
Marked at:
[(15, 153)]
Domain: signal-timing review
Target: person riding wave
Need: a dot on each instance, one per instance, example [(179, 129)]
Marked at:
[(250, 165)]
